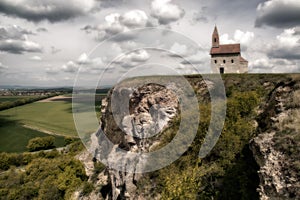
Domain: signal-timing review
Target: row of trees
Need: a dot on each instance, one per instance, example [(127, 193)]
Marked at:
[(22, 101)]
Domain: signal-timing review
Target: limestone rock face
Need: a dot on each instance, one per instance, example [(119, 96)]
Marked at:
[(134, 124), (278, 177)]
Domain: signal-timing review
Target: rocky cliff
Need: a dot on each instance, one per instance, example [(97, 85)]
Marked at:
[(263, 113), (135, 128), (277, 144)]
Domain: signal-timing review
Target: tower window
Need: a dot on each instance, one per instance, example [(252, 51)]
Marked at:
[(224, 61), (232, 61), (215, 39), (216, 61)]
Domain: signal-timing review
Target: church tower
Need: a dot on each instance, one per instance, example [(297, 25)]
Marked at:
[(215, 38)]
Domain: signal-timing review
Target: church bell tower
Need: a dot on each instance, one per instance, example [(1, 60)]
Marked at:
[(215, 38)]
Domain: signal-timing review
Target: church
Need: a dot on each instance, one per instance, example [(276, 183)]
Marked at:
[(226, 58)]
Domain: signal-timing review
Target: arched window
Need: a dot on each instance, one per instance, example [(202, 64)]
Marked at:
[(232, 61), (216, 61), (215, 39), (224, 61)]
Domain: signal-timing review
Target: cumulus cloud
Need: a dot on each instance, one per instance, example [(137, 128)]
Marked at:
[(70, 67), (51, 10), (85, 64), (287, 45), (116, 23), (14, 32), (35, 58), (278, 13), (245, 38), (19, 46), (182, 50), (134, 18), (270, 65), (200, 57), (14, 39), (133, 58), (165, 11)]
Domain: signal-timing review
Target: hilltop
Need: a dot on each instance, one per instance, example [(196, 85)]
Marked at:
[(255, 157)]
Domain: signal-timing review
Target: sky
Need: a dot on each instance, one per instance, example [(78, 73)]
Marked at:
[(55, 43)]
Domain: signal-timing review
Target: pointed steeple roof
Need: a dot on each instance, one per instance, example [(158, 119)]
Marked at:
[(215, 38), (216, 30)]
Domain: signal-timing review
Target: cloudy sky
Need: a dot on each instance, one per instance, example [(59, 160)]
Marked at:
[(46, 43)]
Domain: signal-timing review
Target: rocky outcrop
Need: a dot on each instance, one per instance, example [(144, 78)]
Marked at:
[(272, 180), (134, 127), (137, 126), (278, 177)]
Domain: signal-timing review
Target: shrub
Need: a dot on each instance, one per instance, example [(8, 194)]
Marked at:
[(41, 143)]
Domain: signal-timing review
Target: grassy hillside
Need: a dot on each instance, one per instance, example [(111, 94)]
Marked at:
[(229, 171), (54, 117), (20, 124), (14, 136)]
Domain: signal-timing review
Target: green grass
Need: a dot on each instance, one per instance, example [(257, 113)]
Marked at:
[(55, 117), (39, 118), (15, 137)]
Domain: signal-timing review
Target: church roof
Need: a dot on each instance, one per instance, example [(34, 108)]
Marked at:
[(243, 59), (226, 49)]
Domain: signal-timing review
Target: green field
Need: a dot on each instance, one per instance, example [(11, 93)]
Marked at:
[(20, 124), (55, 117), (14, 137)]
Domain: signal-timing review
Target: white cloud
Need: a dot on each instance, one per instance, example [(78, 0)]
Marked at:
[(200, 57), (19, 46), (70, 67), (116, 23), (166, 11), (287, 45), (13, 32), (182, 49), (289, 38), (83, 59), (35, 58), (85, 64), (271, 65), (224, 39), (133, 58), (14, 39), (139, 56), (135, 18), (245, 38)]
